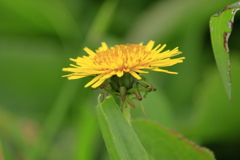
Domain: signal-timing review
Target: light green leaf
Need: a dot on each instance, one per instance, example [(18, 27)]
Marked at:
[(121, 141), (221, 25), (162, 143)]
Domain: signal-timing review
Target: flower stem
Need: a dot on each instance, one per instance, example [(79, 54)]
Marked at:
[(126, 112)]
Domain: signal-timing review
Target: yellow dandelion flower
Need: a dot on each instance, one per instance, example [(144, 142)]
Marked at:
[(134, 59)]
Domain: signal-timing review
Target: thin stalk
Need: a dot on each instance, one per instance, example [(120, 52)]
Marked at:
[(126, 112)]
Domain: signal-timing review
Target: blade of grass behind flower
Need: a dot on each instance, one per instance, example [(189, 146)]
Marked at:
[(88, 133), (100, 23)]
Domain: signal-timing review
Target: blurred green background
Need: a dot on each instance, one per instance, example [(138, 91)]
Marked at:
[(46, 117)]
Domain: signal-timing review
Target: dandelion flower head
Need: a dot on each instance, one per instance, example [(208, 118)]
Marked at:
[(134, 59)]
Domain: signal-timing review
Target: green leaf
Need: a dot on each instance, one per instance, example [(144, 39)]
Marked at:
[(121, 141), (221, 25), (162, 143)]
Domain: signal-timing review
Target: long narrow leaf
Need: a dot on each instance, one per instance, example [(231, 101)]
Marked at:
[(121, 141), (221, 25)]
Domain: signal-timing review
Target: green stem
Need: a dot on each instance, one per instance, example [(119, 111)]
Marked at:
[(126, 112), (125, 108)]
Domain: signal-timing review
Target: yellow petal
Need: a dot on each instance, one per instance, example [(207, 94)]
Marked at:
[(73, 65), (98, 83), (160, 49), (134, 74), (75, 77), (94, 80), (162, 70), (156, 47), (89, 51), (120, 73), (163, 63), (68, 75), (106, 76), (104, 46), (150, 45), (140, 71)]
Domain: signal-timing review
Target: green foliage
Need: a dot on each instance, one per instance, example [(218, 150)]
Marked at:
[(121, 141), (43, 116), (161, 143), (221, 25)]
